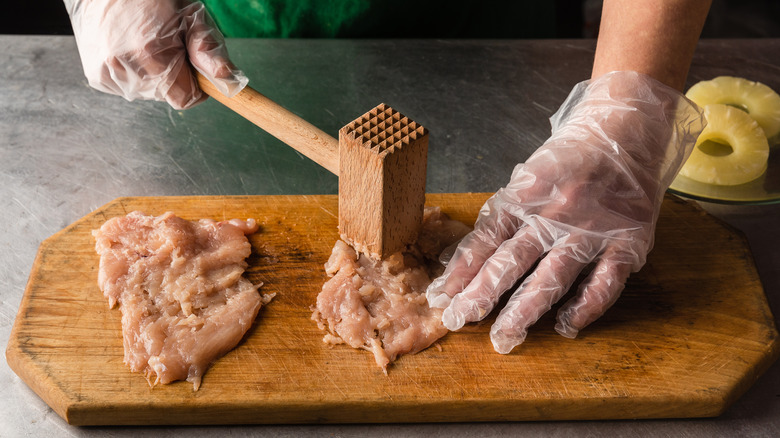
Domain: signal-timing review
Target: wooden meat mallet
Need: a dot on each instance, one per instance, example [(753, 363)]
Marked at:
[(380, 159)]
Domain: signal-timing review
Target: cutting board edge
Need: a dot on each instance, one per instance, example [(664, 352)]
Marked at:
[(34, 377), (615, 408), (770, 356)]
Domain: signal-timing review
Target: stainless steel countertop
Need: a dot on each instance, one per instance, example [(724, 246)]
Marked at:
[(66, 149)]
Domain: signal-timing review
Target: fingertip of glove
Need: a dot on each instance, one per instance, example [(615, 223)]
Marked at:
[(238, 83), (452, 319), (563, 323), (435, 294), (503, 341), (438, 300), (566, 330), (228, 81)]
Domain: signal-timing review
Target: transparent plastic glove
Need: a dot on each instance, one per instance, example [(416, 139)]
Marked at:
[(142, 49), (590, 194)]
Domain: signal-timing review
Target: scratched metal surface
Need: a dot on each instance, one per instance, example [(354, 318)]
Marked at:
[(66, 149)]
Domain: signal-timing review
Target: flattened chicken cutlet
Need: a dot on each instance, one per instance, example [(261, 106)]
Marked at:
[(183, 298), (380, 306)]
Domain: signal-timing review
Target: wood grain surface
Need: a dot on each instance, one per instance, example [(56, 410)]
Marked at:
[(690, 334)]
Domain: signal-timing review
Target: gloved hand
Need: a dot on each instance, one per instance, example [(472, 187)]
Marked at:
[(142, 49), (590, 194)]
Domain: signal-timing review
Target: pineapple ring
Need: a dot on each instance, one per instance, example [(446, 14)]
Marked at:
[(740, 153), (755, 98)]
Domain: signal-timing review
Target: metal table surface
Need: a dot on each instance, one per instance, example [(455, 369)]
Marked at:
[(66, 149)]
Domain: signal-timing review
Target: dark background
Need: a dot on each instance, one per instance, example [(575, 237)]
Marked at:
[(575, 18)]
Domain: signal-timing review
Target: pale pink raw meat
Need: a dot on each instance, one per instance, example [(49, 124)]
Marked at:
[(183, 298), (380, 306)]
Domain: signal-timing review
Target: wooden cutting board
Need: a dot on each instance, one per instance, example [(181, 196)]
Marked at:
[(691, 333)]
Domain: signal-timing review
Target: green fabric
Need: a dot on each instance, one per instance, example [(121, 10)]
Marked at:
[(384, 18)]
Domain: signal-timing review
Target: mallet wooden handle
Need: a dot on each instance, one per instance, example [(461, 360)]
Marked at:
[(281, 123)]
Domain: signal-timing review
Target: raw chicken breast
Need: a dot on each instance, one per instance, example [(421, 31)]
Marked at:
[(380, 305), (179, 284)]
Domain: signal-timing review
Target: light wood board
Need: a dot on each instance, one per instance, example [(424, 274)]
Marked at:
[(690, 334)]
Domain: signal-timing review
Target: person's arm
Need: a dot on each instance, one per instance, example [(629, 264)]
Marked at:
[(591, 195), (654, 37)]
